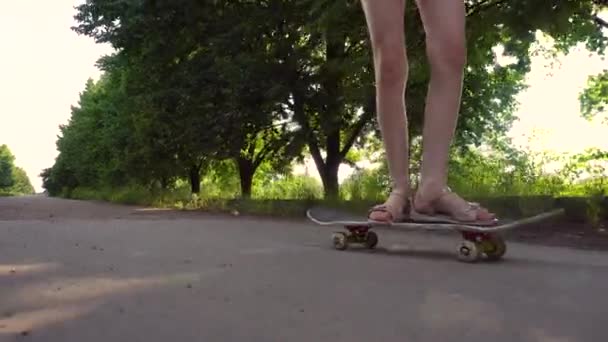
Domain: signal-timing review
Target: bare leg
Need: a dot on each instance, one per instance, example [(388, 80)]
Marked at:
[(444, 23), (385, 21)]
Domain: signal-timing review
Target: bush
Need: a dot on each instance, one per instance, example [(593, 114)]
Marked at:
[(289, 187), (132, 194), (366, 185)]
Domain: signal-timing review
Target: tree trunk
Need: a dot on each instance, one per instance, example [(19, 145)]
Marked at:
[(331, 186), (334, 109), (329, 177), (246, 172), (164, 183), (195, 180)]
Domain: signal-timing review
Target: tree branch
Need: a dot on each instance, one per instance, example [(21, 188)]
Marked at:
[(483, 5), (357, 128), (261, 156), (300, 116), (251, 147), (315, 151), (601, 22)]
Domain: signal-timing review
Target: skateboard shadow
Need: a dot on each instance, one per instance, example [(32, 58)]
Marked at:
[(510, 261), (433, 254), (561, 265)]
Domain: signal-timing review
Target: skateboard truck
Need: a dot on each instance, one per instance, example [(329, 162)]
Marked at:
[(360, 234), (473, 247)]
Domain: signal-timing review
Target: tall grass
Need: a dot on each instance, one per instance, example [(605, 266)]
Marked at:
[(132, 194), (289, 187), (478, 175), (473, 174)]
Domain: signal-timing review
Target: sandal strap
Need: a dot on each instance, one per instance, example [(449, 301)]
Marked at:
[(468, 213), (396, 214), (378, 207)]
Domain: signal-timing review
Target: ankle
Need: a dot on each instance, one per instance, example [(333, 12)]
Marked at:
[(429, 190), (397, 198), (397, 195), (400, 191)]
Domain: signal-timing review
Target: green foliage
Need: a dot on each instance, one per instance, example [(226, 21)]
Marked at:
[(22, 184), (221, 180), (289, 187), (366, 184), (475, 174), (274, 147), (198, 94), (129, 194), (6, 167), (594, 99), (13, 179), (496, 172)]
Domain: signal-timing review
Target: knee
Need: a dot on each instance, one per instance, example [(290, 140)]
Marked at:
[(447, 55), (391, 65)]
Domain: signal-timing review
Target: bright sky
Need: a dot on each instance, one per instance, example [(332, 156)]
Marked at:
[(44, 66), (549, 113)]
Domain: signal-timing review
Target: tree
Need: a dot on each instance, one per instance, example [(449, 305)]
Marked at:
[(275, 145), (331, 74), (91, 144), (6, 167), (253, 75), (94, 145), (205, 88), (327, 72), (13, 179), (22, 184)]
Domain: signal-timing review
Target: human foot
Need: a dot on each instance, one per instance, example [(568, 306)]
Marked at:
[(447, 206), (393, 210)]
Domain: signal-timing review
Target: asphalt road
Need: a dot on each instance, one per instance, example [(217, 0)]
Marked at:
[(89, 272)]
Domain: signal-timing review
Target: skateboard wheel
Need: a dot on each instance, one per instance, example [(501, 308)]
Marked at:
[(340, 241), (371, 240), (494, 248), (468, 251)]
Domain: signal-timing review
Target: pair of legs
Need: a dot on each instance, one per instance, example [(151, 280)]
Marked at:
[(444, 24)]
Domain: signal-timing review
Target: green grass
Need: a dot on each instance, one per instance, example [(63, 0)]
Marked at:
[(510, 186), (124, 195), (13, 194), (578, 208)]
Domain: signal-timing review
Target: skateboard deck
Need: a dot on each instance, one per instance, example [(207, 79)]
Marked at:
[(478, 241)]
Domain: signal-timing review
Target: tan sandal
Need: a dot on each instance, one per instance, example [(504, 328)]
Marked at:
[(469, 215), (396, 215)]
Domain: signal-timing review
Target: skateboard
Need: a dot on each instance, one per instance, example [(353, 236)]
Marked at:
[(478, 242)]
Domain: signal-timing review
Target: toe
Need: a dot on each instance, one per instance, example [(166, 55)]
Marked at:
[(484, 215), (380, 216), (380, 213)]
